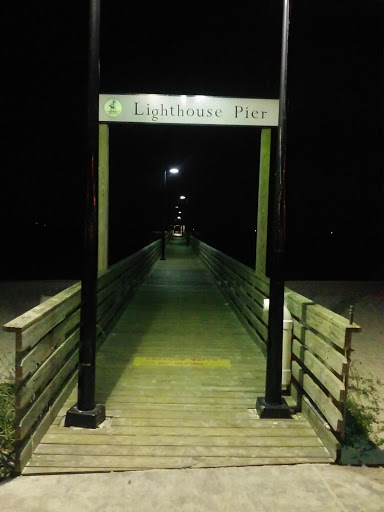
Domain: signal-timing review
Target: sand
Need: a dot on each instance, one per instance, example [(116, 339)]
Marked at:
[(368, 345)]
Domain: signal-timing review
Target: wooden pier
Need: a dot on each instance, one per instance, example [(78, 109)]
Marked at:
[(179, 376)]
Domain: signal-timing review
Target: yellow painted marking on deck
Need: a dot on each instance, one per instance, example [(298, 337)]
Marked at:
[(174, 361)]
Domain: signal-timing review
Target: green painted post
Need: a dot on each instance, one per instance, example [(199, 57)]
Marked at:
[(262, 205), (103, 197)]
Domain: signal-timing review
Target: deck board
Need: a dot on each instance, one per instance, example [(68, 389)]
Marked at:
[(174, 413)]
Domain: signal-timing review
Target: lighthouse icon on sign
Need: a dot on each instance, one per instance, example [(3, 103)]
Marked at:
[(113, 107)]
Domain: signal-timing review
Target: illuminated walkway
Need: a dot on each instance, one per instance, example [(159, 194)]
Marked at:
[(179, 376)]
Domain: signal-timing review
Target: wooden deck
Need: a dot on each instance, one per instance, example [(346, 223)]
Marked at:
[(179, 376)]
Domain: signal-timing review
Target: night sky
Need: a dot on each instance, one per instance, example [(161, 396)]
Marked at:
[(335, 136)]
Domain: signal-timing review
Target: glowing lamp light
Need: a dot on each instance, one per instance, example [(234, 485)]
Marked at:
[(173, 170)]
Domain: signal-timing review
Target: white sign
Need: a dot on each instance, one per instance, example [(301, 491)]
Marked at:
[(203, 110)]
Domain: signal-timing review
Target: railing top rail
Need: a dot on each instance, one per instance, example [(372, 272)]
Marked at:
[(262, 279), (60, 302), (56, 303), (298, 305)]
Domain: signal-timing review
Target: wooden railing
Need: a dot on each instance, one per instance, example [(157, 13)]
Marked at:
[(321, 343), (321, 348), (246, 290), (47, 339)]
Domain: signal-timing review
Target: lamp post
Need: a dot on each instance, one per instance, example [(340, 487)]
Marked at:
[(164, 214), (186, 218), (272, 405), (86, 413)]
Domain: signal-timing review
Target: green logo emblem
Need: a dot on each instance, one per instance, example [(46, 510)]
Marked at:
[(113, 108)]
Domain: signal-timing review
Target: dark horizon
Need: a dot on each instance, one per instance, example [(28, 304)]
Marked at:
[(334, 162)]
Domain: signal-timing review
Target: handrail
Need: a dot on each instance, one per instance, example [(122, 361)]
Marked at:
[(321, 342), (47, 339)]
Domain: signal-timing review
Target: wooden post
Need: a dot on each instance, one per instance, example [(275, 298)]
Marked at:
[(103, 197), (262, 205)]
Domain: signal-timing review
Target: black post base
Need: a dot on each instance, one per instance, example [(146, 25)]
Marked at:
[(265, 410), (85, 419)]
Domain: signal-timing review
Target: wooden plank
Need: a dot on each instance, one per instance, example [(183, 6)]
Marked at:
[(334, 359), (196, 421), (248, 318), (252, 317), (252, 304), (119, 268), (66, 453), (263, 201), (107, 315), (296, 395), (225, 415), (41, 322), (259, 289), (326, 378), (177, 461), (323, 402), (329, 324), (199, 408), (47, 345), (297, 304), (152, 358), (239, 417), (180, 392), (255, 430), (38, 321), (233, 350), (51, 440), (248, 325), (241, 278), (202, 400), (259, 342), (22, 322), (166, 387), (116, 374), (335, 333), (24, 452), (128, 378), (327, 438), (256, 280), (31, 416), (46, 372), (115, 271)]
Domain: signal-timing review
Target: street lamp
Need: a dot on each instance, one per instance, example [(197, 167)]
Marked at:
[(186, 217), (164, 219)]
